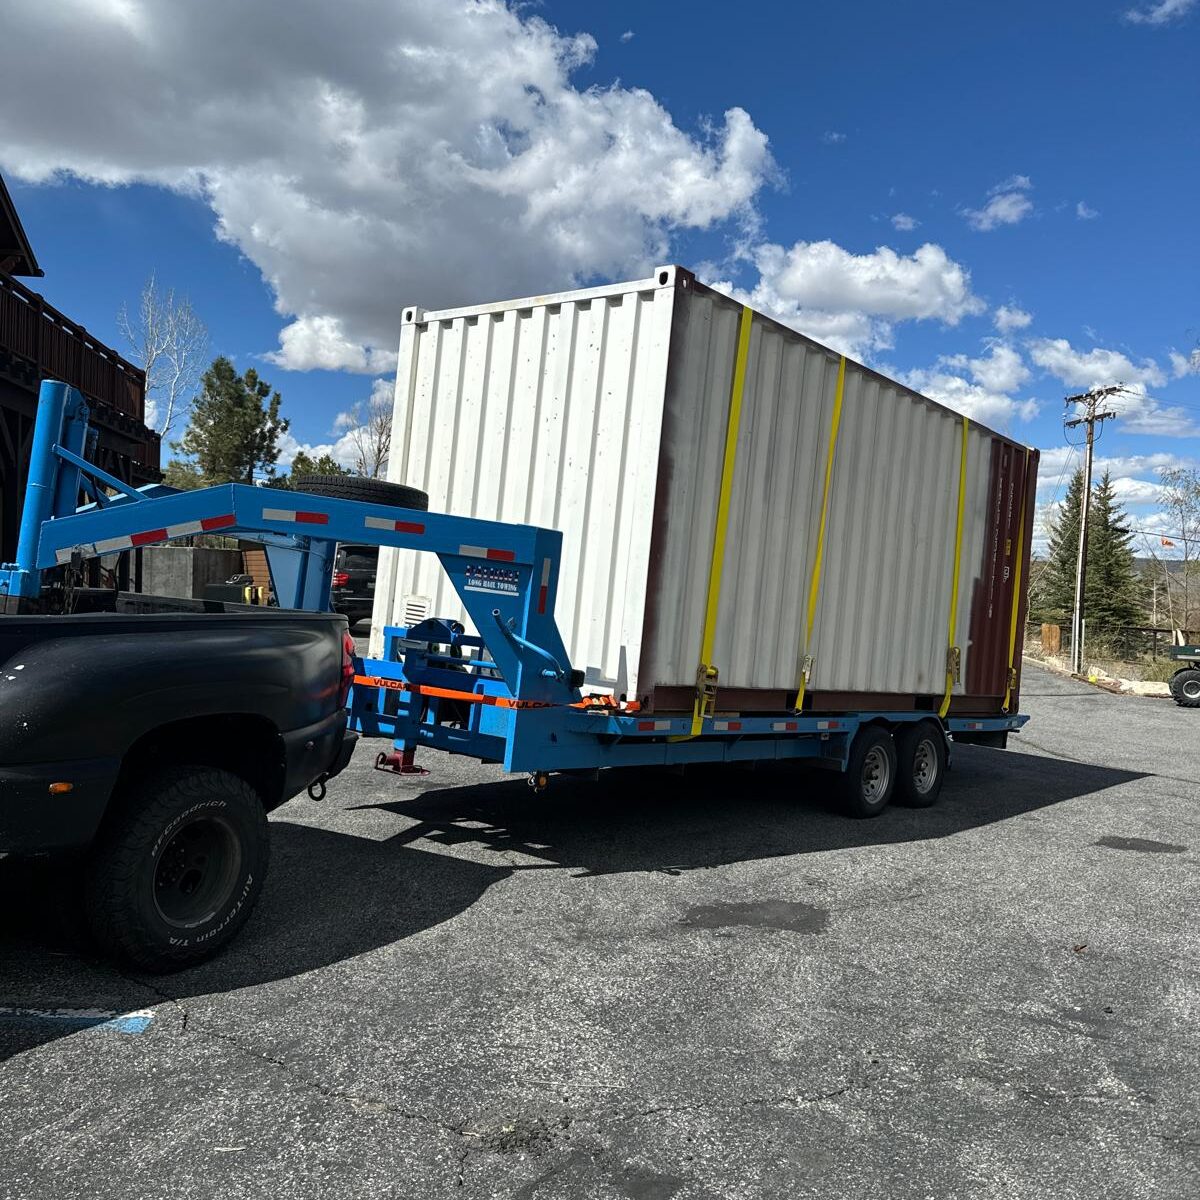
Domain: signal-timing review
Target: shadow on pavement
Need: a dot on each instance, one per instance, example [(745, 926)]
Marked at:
[(652, 821), (331, 896)]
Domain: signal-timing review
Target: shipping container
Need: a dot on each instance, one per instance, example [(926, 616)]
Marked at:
[(742, 508)]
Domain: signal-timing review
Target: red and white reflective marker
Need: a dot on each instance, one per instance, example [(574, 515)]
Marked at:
[(829, 725), (147, 537), (653, 726), (544, 590), (727, 726), (784, 726), (295, 517), (393, 526), (486, 552)]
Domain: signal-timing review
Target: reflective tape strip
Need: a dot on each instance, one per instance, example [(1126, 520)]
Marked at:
[(1016, 597), (829, 725), (146, 537), (814, 586), (393, 526), (295, 516), (717, 566), (958, 541), (544, 590), (653, 726), (727, 726), (785, 726), (487, 552)]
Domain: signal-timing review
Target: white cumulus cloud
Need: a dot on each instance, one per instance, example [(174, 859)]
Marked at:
[(1184, 364), (1008, 318), (368, 156), (1097, 367), (978, 387), (1161, 13), (1085, 212), (1007, 203), (851, 301), (904, 222)]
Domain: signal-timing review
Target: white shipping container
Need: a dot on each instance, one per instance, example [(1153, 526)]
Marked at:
[(730, 493)]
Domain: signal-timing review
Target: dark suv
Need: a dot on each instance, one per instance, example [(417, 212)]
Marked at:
[(353, 591)]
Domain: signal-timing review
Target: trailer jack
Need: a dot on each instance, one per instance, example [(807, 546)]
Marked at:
[(399, 764)]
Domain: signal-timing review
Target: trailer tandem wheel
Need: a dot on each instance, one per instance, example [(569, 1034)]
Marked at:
[(920, 763), (1185, 687), (869, 780)]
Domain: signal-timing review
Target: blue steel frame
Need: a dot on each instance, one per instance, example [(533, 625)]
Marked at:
[(523, 695)]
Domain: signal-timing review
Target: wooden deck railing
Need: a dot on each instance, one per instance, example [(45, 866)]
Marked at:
[(37, 331)]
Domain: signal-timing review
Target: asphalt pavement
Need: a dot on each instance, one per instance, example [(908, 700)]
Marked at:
[(656, 987)]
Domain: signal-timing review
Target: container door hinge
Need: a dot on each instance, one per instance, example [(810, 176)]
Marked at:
[(954, 663)]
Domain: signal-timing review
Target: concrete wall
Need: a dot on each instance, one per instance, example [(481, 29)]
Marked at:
[(186, 570)]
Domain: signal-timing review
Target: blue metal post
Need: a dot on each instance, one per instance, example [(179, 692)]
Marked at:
[(22, 577), (74, 438)]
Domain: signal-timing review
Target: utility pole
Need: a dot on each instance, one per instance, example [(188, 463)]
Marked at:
[(1091, 417)]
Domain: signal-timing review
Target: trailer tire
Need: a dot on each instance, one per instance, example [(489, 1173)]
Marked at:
[(920, 763), (367, 491), (178, 867), (1185, 687), (869, 780)]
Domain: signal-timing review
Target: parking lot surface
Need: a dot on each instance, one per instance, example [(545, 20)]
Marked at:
[(656, 987)]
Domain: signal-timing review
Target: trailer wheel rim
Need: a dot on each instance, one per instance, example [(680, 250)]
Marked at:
[(196, 872), (925, 766), (876, 775), (1191, 689)]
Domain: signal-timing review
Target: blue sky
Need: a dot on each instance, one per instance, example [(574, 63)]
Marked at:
[(904, 182)]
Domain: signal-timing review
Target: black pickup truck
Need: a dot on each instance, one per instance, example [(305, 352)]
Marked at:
[(153, 746)]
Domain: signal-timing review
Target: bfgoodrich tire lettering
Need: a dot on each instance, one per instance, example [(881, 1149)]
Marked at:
[(178, 867)]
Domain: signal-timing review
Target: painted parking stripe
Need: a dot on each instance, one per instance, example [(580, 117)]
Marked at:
[(82, 1018), (393, 526)]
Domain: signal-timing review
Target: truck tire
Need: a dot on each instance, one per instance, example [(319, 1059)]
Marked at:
[(1185, 687), (867, 784), (356, 487), (920, 763), (177, 868)]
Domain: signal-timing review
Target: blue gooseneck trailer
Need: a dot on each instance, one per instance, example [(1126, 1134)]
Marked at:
[(506, 694)]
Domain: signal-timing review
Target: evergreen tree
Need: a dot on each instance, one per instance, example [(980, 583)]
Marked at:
[(304, 464), (235, 426), (1053, 597), (1114, 593), (1114, 589)]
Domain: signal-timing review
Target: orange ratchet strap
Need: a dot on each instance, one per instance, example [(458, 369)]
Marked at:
[(421, 689)]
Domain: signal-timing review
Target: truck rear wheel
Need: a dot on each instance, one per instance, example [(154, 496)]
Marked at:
[(870, 777), (1185, 687), (920, 763), (178, 867)]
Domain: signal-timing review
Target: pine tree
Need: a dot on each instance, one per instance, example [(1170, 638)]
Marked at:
[(1114, 589), (1053, 599), (235, 426), (1114, 593), (305, 464)]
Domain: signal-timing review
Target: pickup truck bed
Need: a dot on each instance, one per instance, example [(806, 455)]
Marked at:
[(103, 715)]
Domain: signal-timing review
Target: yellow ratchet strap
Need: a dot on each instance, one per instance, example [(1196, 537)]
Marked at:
[(814, 587), (1016, 596), (706, 673), (952, 651)]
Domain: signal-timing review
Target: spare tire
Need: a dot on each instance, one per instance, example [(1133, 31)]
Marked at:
[(357, 487)]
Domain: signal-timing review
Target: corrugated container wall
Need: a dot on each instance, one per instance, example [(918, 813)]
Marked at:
[(711, 468)]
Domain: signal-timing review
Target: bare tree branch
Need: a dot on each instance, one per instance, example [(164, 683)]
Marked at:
[(370, 434), (169, 341)]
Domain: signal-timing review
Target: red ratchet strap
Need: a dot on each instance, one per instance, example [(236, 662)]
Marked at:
[(605, 703)]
